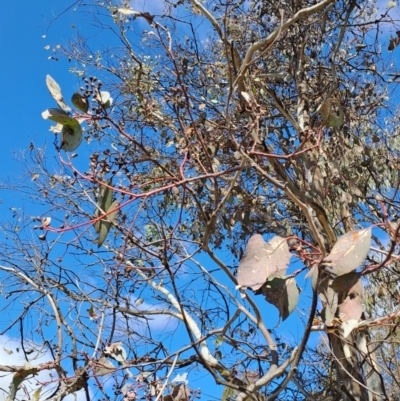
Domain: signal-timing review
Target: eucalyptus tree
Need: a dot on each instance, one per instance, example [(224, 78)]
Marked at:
[(219, 157)]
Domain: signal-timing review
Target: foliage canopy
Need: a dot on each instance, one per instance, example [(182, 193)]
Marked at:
[(218, 158)]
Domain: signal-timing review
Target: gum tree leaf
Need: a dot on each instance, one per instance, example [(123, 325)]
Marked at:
[(103, 367), (71, 131), (128, 11), (60, 116), (105, 99), (55, 91), (263, 260), (181, 392), (332, 114), (283, 293), (349, 251), (71, 138), (117, 352), (180, 378), (351, 291), (106, 223), (313, 273), (36, 394), (348, 283), (80, 102), (104, 201)]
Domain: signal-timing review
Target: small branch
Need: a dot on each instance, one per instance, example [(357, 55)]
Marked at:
[(306, 394), (210, 17), (167, 378), (204, 351), (363, 324), (269, 39)]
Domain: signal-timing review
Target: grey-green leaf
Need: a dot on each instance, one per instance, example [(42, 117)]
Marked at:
[(71, 138), (55, 91), (283, 293), (80, 102), (105, 224), (60, 116), (71, 132), (103, 202)]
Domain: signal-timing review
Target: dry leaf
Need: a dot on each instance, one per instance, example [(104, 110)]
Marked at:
[(350, 290), (181, 392), (103, 367), (55, 91), (246, 97), (36, 394), (116, 351), (92, 313), (128, 11), (350, 251), (263, 260)]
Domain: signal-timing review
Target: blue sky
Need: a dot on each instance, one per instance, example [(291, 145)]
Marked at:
[(23, 80)]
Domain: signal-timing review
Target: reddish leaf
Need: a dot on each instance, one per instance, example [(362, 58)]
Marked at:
[(350, 251), (181, 392), (351, 309), (263, 260), (283, 293), (341, 297)]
